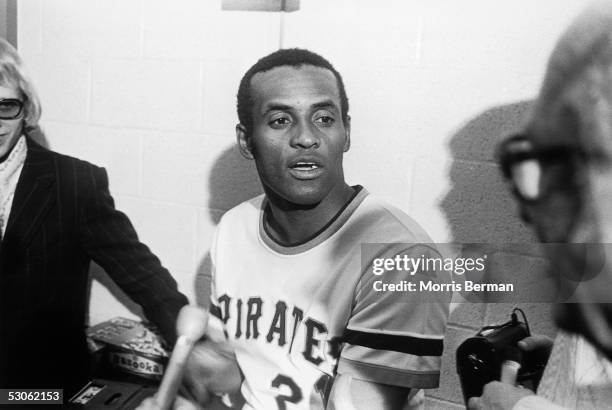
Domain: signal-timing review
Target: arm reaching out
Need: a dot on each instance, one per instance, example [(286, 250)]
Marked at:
[(211, 371)]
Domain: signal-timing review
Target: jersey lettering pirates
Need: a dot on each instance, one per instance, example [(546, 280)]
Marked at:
[(298, 315)]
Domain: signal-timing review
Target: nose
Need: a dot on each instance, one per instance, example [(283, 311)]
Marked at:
[(305, 136)]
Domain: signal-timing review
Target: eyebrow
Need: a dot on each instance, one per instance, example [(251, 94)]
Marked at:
[(325, 104), (274, 106)]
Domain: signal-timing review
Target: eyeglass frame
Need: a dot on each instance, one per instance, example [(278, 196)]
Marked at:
[(543, 156), (21, 105)]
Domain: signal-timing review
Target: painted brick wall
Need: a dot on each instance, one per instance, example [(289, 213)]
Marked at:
[(147, 89)]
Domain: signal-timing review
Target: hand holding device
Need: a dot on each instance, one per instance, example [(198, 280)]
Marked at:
[(190, 326)]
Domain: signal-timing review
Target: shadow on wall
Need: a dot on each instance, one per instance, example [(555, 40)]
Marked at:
[(233, 180), (479, 208)]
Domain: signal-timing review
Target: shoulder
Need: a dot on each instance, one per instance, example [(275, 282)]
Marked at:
[(245, 212), (237, 228), (80, 166), (73, 176), (62, 161), (381, 222)]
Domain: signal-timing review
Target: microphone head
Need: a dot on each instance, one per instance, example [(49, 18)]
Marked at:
[(192, 322)]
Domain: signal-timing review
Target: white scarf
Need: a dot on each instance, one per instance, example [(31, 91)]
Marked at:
[(10, 170)]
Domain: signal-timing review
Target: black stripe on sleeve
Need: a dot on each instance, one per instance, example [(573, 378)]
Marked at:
[(404, 344), (215, 311)]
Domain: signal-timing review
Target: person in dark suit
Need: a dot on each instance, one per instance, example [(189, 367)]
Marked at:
[(56, 216)]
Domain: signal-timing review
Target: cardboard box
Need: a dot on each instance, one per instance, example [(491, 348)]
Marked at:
[(131, 347)]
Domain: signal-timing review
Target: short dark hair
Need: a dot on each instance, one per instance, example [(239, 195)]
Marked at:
[(293, 57)]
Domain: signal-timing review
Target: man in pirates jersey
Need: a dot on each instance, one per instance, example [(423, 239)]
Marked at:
[(293, 290)]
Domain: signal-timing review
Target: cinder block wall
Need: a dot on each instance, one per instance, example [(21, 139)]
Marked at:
[(147, 89)]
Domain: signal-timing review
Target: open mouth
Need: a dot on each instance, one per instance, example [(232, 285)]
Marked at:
[(306, 170), (305, 166)]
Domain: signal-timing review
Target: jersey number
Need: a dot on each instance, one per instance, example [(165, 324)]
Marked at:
[(296, 393)]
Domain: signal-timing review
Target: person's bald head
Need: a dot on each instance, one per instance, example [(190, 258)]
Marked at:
[(576, 94)]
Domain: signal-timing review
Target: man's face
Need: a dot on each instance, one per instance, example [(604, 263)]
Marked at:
[(298, 136), (562, 213), (574, 210), (10, 130)]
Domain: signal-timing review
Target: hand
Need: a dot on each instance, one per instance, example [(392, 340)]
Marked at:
[(539, 346), (211, 369), (498, 396), (536, 342)]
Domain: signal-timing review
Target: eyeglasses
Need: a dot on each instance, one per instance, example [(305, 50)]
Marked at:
[(525, 167), (10, 108)]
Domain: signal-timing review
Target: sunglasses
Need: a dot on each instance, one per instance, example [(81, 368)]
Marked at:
[(524, 165), (10, 108)]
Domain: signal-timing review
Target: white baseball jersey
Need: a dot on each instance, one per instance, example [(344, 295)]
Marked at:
[(297, 315)]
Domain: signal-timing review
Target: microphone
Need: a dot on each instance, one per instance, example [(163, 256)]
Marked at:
[(511, 364), (191, 325)]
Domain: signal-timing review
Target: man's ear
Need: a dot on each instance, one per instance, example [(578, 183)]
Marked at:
[(347, 129), (244, 142)]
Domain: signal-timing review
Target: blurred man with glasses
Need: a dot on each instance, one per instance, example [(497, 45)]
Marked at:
[(560, 170)]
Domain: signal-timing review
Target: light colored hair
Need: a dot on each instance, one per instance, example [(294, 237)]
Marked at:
[(13, 74)]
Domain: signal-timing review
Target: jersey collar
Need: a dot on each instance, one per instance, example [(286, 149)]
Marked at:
[(323, 234)]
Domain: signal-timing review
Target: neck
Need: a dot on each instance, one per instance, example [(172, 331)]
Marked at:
[(290, 223)]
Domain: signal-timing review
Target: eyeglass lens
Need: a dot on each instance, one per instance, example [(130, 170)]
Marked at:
[(526, 177), (10, 109)]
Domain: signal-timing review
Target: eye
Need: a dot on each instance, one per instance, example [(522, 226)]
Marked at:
[(325, 120), (279, 122)]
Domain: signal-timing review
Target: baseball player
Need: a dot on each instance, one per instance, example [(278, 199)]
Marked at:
[(307, 323)]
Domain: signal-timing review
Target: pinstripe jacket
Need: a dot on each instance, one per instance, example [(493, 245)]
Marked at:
[(62, 217)]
